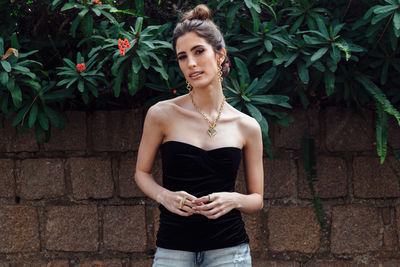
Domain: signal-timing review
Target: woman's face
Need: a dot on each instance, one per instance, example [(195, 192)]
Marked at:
[(197, 60)]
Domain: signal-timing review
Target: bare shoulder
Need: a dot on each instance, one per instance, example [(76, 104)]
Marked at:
[(162, 111), (249, 127)]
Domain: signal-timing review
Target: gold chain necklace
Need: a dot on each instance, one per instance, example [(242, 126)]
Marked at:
[(212, 124)]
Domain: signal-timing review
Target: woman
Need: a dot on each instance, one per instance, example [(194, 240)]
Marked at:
[(202, 139)]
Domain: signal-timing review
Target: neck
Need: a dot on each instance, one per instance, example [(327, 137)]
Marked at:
[(208, 99)]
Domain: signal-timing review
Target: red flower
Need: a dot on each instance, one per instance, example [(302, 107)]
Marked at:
[(174, 91), (127, 44), (123, 45), (99, 3), (95, 1), (80, 67)]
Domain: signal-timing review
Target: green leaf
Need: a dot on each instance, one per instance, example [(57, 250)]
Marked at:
[(87, 25), (138, 24), (384, 9), (268, 45), (379, 17), (317, 55), (384, 73), (144, 58), (267, 77), (16, 93), (74, 25), (329, 83), (256, 19), (322, 27), (241, 67), (381, 132), (118, 80), (69, 6), (136, 65), (280, 100), (6, 65), (3, 78), (133, 84), (254, 112), (81, 86), (162, 71), (303, 72), (20, 116), (378, 95), (230, 15), (33, 115), (396, 20), (249, 3), (296, 24), (55, 117)]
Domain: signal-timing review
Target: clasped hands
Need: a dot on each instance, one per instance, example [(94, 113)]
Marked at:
[(212, 206)]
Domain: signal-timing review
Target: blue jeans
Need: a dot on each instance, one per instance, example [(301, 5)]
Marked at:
[(237, 256)]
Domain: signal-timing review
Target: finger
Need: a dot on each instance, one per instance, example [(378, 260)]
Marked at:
[(204, 199), (208, 206), (182, 213), (188, 209)]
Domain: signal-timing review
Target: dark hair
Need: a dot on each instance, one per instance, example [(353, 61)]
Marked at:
[(198, 21)]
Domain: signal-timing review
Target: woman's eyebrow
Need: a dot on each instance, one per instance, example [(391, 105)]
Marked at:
[(194, 47)]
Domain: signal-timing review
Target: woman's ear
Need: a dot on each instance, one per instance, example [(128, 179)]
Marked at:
[(221, 55)]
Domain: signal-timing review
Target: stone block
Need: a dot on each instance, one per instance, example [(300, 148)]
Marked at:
[(72, 228), (7, 182), (390, 263), (141, 263), (125, 228), (347, 131), (293, 229), (305, 121), (393, 135), (397, 219), (91, 178), (42, 263), (10, 141), (255, 230), (329, 263), (387, 215), (355, 229), (279, 178), (116, 130), (331, 175), (19, 229), (101, 263), (40, 178), (373, 180), (389, 239), (72, 137), (268, 263), (127, 185)]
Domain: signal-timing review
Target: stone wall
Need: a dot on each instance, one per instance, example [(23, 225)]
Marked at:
[(73, 201)]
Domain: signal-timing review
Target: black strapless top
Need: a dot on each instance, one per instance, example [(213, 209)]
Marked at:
[(199, 172)]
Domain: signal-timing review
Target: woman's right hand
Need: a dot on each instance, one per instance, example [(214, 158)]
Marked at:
[(180, 202)]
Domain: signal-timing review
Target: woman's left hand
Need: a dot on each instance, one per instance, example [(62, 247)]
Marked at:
[(217, 204)]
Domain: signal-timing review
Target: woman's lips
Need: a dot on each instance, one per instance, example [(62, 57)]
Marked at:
[(194, 75)]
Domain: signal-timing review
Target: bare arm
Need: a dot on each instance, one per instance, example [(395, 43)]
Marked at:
[(153, 133)]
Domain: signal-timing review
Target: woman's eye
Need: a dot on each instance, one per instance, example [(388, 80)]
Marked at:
[(199, 51), (181, 57)]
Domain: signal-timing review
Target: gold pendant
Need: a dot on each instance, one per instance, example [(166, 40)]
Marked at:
[(212, 132)]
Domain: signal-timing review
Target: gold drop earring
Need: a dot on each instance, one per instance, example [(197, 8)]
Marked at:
[(220, 78), (189, 87)]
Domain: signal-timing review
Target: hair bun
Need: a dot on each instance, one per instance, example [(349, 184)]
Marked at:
[(200, 12)]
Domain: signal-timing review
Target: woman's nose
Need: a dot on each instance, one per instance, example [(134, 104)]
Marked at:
[(191, 62)]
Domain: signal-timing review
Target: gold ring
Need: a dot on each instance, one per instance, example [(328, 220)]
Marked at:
[(182, 202), (210, 197)]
